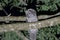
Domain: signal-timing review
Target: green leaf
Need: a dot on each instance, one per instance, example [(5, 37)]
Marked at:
[(1, 8), (45, 1), (6, 1), (56, 1), (58, 4), (53, 7), (3, 4), (44, 8), (11, 36)]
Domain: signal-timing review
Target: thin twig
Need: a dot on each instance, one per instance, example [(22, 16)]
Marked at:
[(5, 12)]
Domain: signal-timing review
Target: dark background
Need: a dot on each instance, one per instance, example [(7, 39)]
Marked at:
[(15, 11)]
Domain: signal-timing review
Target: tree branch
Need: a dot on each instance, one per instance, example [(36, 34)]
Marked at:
[(25, 26)]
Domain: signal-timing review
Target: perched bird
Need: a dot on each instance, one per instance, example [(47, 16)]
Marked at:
[(31, 15)]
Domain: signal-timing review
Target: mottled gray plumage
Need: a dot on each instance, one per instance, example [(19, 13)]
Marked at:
[(31, 15)]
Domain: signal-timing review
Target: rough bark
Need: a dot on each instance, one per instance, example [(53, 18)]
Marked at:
[(21, 18), (25, 26)]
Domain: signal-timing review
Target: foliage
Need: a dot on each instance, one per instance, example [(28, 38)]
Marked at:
[(43, 5), (49, 5), (10, 36), (49, 33)]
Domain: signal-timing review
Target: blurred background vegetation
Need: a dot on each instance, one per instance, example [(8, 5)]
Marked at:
[(41, 5), (19, 6)]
